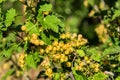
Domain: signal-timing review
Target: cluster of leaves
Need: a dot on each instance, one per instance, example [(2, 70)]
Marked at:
[(42, 43)]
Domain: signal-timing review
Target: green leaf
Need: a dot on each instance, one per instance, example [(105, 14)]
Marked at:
[(51, 22), (46, 7), (81, 53), (118, 78), (111, 50), (11, 37), (116, 14), (10, 16), (30, 61), (99, 76), (45, 38), (95, 55), (56, 76), (32, 28), (77, 76)]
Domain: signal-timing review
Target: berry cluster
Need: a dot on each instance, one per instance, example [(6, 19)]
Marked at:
[(102, 33), (21, 61), (87, 66)]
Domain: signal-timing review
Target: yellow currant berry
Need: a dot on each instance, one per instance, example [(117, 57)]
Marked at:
[(45, 12), (48, 72), (91, 13), (66, 58), (67, 52), (86, 58), (79, 37), (96, 69), (71, 49), (81, 63), (41, 42), (65, 47), (23, 28), (54, 48), (88, 61), (74, 35), (25, 38), (68, 35), (46, 50), (113, 65), (85, 3), (61, 44), (62, 60), (49, 47), (63, 36), (42, 51), (36, 42), (18, 73), (55, 43), (3, 40), (68, 64), (34, 36), (96, 65)]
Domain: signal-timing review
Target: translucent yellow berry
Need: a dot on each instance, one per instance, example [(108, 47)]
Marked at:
[(81, 63), (86, 58), (55, 43), (25, 38), (48, 72), (46, 12), (42, 51), (68, 35), (36, 42), (68, 64), (34, 36), (85, 3), (49, 47), (41, 42), (23, 28), (63, 36), (96, 69), (91, 13)]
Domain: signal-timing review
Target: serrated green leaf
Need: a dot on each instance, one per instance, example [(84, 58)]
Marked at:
[(95, 55), (7, 53), (10, 16), (32, 28), (99, 76), (30, 61), (11, 37), (81, 53), (111, 50), (45, 38), (46, 7), (51, 22)]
